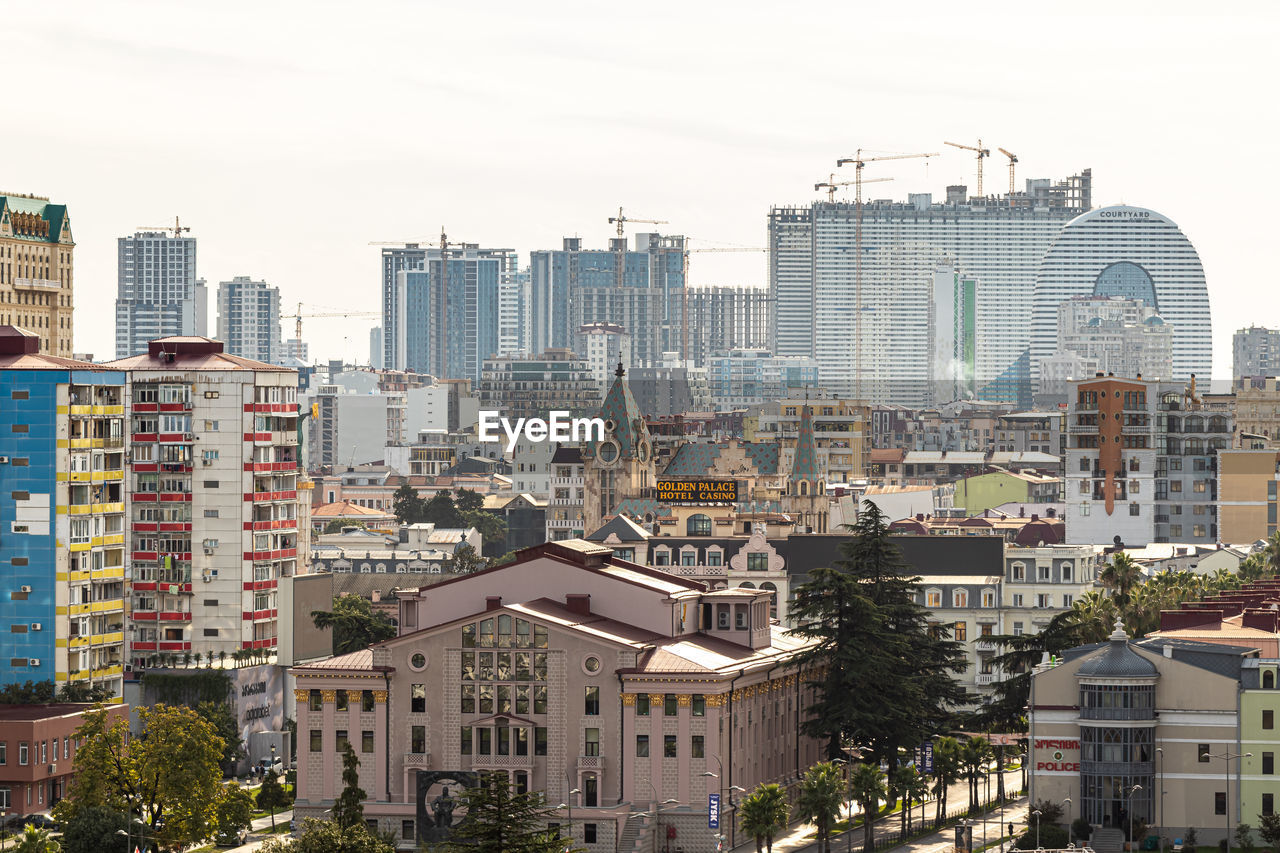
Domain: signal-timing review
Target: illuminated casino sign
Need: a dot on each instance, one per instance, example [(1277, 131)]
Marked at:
[(697, 491)]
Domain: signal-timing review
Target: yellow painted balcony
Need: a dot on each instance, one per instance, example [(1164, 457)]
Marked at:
[(117, 411), (85, 443), (107, 476), (81, 410), (108, 606)]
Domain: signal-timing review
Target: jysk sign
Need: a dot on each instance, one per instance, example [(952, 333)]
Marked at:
[(924, 757), (697, 491), (713, 811)]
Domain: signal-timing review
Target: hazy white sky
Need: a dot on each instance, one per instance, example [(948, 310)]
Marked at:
[(290, 134)]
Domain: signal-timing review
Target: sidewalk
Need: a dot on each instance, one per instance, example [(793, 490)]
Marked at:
[(800, 838)]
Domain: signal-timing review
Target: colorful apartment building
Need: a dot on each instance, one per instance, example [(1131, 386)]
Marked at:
[(61, 516), (213, 491)]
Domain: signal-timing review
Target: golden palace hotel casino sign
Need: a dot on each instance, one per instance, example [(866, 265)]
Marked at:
[(697, 491)]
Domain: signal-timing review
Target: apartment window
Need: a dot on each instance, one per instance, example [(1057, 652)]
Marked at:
[(669, 705), (959, 598), (1067, 572), (1067, 600), (697, 746), (1044, 573), (418, 698), (933, 599), (668, 746), (366, 700), (340, 701), (642, 746), (960, 631), (1268, 719), (1017, 599), (1220, 802), (758, 562), (589, 833), (1044, 600), (540, 740), (1268, 803), (418, 739), (988, 598), (986, 629), (22, 753), (465, 743), (407, 829), (592, 708), (1135, 509), (699, 705), (1019, 571), (713, 558), (592, 742), (4, 753), (1202, 753), (1017, 629), (1268, 763), (642, 705), (317, 740), (314, 701)]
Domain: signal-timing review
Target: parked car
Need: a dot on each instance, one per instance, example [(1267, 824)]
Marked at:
[(231, 839), (39, 821)]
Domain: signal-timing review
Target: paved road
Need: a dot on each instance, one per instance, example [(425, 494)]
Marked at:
[(799, 838), (260, 831)]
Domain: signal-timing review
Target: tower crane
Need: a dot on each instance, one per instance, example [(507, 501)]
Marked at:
[(859, 162), (177, 227), (684, 293), (297, 318), (983, 153), (831, 183), (1013, 161), (620, 221)]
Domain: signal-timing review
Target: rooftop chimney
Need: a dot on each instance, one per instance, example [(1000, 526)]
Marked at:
[(579, 603), (15, 341), (492, 602)]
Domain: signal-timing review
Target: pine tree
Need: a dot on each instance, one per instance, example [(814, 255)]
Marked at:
[(348, 809), (889, 675), (499, 821)]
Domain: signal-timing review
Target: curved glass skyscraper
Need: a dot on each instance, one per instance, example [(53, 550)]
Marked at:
[(1134, 253)]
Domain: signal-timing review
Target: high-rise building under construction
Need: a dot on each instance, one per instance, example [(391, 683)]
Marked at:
[(853, 285)]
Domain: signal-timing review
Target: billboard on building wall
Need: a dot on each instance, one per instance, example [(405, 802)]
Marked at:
[(697, 491)]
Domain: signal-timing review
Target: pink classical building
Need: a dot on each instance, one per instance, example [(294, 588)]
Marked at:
[(627, 694)]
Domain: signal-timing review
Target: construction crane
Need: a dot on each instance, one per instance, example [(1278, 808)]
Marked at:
[(831, 184), (983, 153), (684, 291), (439, 319), (859, 162), (621, 246), (1013, 161), (297, 318), (177, 227)]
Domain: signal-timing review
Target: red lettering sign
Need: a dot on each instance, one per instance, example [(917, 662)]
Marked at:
[(1055, 765), (1045, 743)]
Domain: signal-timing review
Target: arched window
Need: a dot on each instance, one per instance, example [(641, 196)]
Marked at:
[(746, 585), (773, 598), (698, 525), (933, 598), (959, 598), (1269, 680), (804, 487), (1193, 423)]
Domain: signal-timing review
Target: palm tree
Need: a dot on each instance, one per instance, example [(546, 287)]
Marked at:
[(1121, 575), (821, 793), (763, 812), (946, 770), (1095, 615), (867, 788), (34, 840), (912, 786), (973, 755), (1271, 553)]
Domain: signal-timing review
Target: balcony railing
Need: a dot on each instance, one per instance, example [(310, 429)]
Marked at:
[(417, 759)]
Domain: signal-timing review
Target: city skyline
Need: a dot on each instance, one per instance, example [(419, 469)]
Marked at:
[(285, 208)]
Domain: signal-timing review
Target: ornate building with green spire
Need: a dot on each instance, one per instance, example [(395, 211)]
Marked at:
[(805, 495), (620, 465)]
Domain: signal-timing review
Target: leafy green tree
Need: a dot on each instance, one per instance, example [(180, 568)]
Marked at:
[(272, 796), (235, 810), (867, 786), (509, 557), (866, 622), (500, 821), (223, 719), (338, 524), (348, 809), (467, 500), (28, 693), (439, 509), (355, 624), (492, 528), (34, 840), (946, 771), (764, 812), (406, 506), (325, 836), (168, 776), (1244, 836), (907, 783), (821, 793), (466, 560), (92, 830), (1268, 828)]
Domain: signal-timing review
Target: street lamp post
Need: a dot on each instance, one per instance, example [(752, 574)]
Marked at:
[(1133, 790), (1227, 758), (569, 806), (733, 806), (1070, 831), (1037, 814)]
